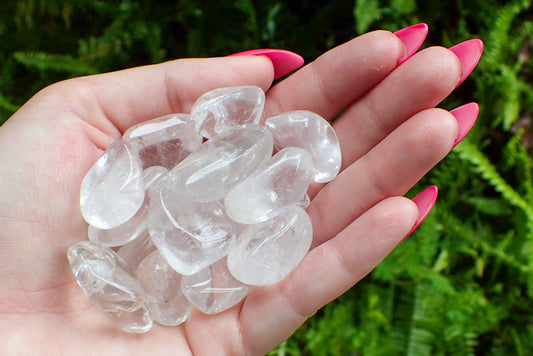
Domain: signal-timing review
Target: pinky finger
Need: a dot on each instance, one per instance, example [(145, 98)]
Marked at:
[(326, 272)]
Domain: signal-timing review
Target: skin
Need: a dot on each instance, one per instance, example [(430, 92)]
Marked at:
[(390, 136)]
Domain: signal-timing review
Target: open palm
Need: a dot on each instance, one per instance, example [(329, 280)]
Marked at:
[(390, 137)]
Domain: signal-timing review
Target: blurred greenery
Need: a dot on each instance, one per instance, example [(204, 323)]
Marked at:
[(463, 283)]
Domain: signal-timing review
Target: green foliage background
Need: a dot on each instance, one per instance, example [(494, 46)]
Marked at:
[(463, 283)]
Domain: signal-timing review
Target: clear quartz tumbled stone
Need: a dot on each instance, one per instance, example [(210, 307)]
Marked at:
[(135, 251), (113, 190), (132, 228), (164, 141), (211, 171), (223, 108), (271, 189), (314, 134), (305, 202), (190, 235), (214, 289), (204, 222), (166, 302), (111, 285), (267, 252), (123, 233)]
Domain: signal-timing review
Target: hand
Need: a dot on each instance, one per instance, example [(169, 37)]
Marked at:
[(390, 136)]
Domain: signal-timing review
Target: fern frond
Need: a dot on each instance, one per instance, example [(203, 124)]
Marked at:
[(57, 62), (511, 101), (497, 38), (468, 152), (7, 105), (512, 147), (482, 165), (401, 7), (420, 337), (365, 13)]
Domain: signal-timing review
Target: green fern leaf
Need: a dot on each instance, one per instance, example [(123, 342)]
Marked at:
[(511, 104), (497, 38), (471, 154), (7, 105), (402, 7), (366, 12), (57, 62)]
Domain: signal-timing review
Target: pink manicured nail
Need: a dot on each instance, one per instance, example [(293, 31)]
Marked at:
[(468, 53), (424, 202), (412, 37), (283, 61), (465, 115)]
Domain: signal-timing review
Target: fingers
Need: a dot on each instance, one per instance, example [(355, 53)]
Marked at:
[(390, 168), (270, 314), (375, 102), (127, 97), (338, 77), (420, 83)]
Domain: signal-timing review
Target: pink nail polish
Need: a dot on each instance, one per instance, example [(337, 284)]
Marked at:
[(283, 61), (424, 202), (412, 37), (465, 115), (468, 53)]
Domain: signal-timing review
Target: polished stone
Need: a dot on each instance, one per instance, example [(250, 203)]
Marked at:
[(270, 190), (123, 233), (313, 133), (135, 251), (113, 190), (164, 141), (214, 289), (166, 302), (111, 285), (131, 229), (153, 177), (305, 202), (267, 252), (223, 108), (190, 235), (211, 171)]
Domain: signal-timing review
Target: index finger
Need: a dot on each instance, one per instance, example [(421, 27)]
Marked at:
[(127, 97), (338, 77)]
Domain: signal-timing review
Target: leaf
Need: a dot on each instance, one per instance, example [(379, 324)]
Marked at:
[(365, 13), (7, 105), (57, 62), (490, 206)]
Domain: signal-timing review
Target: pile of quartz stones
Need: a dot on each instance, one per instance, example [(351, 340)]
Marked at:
[(194, 209)]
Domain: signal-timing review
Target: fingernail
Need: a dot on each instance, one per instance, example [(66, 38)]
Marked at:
[(412, 37), (468, 53), (283, 61), (465, 115), (424, 202)]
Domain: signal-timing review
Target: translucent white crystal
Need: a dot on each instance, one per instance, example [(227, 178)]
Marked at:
[(135, 251), (271, 189), (313, 133), (134, 320), (113, 189), (111, 285), (123, 233), (132, 228), (214, 289), (305, 202), (164, 141), (153, 177), (267, 252), (211, 171), (222, 108), (166, 302), (190, 235)]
